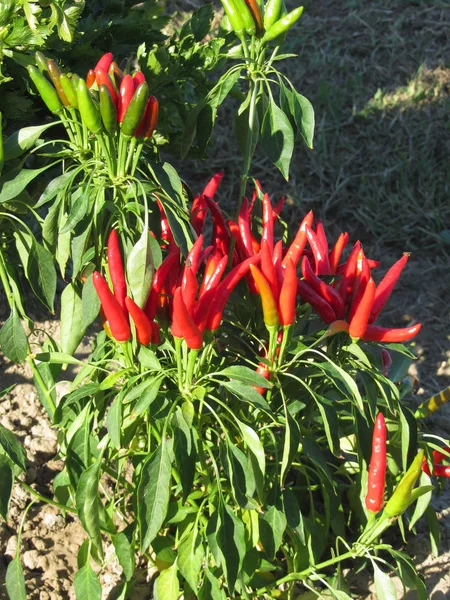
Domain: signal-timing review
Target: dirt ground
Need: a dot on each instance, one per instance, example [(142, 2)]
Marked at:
[(50, 541)]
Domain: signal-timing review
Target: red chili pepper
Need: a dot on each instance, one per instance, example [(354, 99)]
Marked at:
[(278, 207), (244, 227), (104, 62), (386, 286), (441, 471), (115, 74), (212, 185), (116, 270), (183, 325), (189, 287), (377, 469), (288, 295), (360, 319), (144, 330), (207, 293), (268, 269), (138, 78), (149, 120), (336, 252), (90, 78), (321, 235), (319, 304), (117, 320), (221, 235), (126, 93), (267, 219), (166, 232), (389, 334), (102, 77), (346, 286), (319, 252), (193, 257), (158, 282), (224, 290), (263, 370), (241, 249), (362, 276), (277, 262), (298, 245), (198, 213), (210, 268), (269, 305), (323, 289)]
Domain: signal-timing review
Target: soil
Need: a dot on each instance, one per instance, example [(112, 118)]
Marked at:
[(50, 541)]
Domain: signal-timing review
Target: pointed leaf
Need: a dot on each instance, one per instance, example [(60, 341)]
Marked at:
[(13, 339), (277, 138), (6, 485), (15, 581), (86, 583), (41, 274), (88, 503), (384, 585), (272, 525), (140, 269), (167, 586), (72, 327), (190, 558), (12, 447)]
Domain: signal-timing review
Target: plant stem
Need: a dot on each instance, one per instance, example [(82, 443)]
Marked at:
[(178, 342), (50, 408), (47, 500), (190, 368)]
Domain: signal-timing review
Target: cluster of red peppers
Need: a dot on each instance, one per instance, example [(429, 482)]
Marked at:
[(438, 470), (107, 99), (117, 306)]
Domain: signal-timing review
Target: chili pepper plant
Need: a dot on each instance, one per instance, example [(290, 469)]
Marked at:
[(242, 424)]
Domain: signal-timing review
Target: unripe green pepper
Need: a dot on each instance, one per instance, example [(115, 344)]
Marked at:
[(107, 109), (236, 21), (89, 111), (135, 110), (272, 12), (46, 91), (68, 89), (2, 153), (283, 25), (400, 499), (55, 74), (41, 62), (246, 16)]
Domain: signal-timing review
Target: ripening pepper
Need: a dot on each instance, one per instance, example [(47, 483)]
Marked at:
[(183, 325), (102, 78), (116, 270), (90, 78), (104, 62), (400, 499), (126, 93), (235, 17), (392, 335), (377, 469), (272, 11), (269, 305), (46, 90), (55, 74), (288, 295), (433, 404), (144, 329), (386, 285), (41, 62)]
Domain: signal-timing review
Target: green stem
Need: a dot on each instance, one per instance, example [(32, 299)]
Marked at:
[(284, 341), (190, 368), (50, 408), (130, 154), (5, 281), (47, 500), (178, 342)]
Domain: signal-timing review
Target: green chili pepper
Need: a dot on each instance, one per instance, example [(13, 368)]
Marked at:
[(283, 25), (400, 499), (90, 112), (46, 90), (41, 62), (246, 16), (225, 24), (135, 110), (2, 153), (235, 18), (272, 12), (107, 109), (67, 86)]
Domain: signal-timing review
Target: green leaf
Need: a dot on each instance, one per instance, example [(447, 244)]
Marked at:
[(294, 517), (257, 453), (148, 396), (201, 21), (13, 339), (247, 393), (241, 130), (190, 558), (90, 303), (88, 503), (14, 182), (153, 494), (114, 421), (231, 543), (125, 554), (72, 326), (434, 529), (12, 448), (77, 212), (272, 525), (148, 359), (6, 485), (384, 585), (409, 436), (306, 125), (15, 581), (184, 451), (210, 589), (55, 187), (245, 375), (23, 140), (331, 424), (345, 378), (277, 138), (140, 269), (41, 274), (167, 586), (58, 358), (86, 583)]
